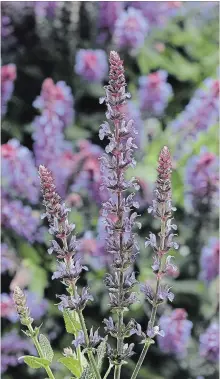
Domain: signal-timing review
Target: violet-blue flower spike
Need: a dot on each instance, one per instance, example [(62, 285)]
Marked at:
[(118, 210), (161, 209), (68, 268)]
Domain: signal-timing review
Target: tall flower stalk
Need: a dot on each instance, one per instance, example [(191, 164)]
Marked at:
[(118, 210), (68, 267), (25, 319), (162, 209)]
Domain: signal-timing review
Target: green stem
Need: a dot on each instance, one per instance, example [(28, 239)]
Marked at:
[(40, 352), (155, 305), (108, 371), (78, 352), (117, 372), (89, 352)]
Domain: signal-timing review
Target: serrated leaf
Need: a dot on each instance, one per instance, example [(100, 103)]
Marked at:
[(72, 364), (101, 351), (46, 347), (35, 362), (72, 325)]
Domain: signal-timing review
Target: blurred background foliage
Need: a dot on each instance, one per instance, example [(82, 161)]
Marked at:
[(43, 40)]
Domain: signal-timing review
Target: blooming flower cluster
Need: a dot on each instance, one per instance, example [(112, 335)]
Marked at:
[(209, 260), (130, 29), (201, 180), (19, 174), (202, 110), (154, 93), (37, 307), (56, 105), (159, 13), (68, 269), (177, 331), (12, 348), (117, 210), (91, 64), (209, 343), (20, 218), (109, 12), (8, 76), (162, 209)]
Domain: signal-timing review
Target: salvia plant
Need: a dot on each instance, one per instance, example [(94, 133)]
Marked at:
[(84, 359)]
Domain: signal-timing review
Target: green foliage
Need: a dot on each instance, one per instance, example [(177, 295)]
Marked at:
[(101, 351), (35, 362), (72, 324), (72, 364), (46, 347)]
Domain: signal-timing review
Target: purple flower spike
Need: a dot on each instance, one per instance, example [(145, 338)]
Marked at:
[(50, 148), (20, 218), (209, 260), (119, 218), (209, 343), (201, 181), (202, 111), (92, 65), (109, 12), (158, 13)]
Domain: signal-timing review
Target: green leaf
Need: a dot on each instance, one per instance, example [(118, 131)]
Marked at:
[(46, 347), (101, 351), (27, 251), (35, 362), (72, 324), (192, 287), (39, 280), (72, 364)]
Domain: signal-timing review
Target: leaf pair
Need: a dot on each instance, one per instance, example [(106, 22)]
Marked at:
[(47, 351)]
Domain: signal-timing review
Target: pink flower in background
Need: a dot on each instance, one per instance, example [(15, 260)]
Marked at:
[(8, 76), (201, 180), (154, 93), (159, 13), (209, 260), (19, 174), (56, 100), (56, 105), (8, 310), (131, 29), (209, 343), (37, 306), (177, 333), (91, 65)]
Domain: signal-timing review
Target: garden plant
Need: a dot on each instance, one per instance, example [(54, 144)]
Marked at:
[(109, 117)]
